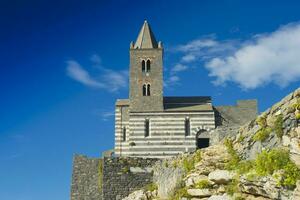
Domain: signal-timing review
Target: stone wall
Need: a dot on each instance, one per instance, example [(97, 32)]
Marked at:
[(239, 114), (121, 176), (85, 178)]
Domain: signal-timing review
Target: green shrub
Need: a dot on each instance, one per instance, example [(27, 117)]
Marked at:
[(297, 116), (296, 105), (262, 134), (197, 156), (267, 162), (151, 187), (291, 175), (182, 192), (234, 157), (188, 163), (204, 184), (245, 166), (232, 187), (278, 126), (262, 121)]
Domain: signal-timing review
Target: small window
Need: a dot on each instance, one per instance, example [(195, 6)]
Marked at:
[(147, 126), (148, 66), (148, 90), (187, 127), (144, 90), (143, 66), (124, 134)]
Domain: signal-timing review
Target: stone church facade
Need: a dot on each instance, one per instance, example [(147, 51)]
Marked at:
[(149, 124)]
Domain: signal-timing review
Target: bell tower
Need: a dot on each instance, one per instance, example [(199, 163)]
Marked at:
[(146, 72)]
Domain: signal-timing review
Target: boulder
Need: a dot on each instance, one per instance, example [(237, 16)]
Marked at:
[(220, 176), (199, 192), (220, 197)]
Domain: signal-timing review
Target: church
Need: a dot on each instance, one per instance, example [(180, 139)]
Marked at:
[(149, 124)]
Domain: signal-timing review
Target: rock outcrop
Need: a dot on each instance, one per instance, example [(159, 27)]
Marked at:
[(187, 177)]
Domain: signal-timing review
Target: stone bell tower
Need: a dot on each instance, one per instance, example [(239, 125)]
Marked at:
[(146, 72)]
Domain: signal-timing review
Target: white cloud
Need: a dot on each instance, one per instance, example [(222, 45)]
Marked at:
[(205, 48), (108, 79), (267, 58), (76, 72), (172, 80), (178, 68)]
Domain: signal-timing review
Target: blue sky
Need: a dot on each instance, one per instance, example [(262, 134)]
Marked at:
[(64, 63)]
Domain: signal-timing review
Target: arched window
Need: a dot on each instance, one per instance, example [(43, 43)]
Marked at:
[(144, 90), (124, 134), (147, 128), (148, 66), (187, 127), (143, 66), (148, 90)]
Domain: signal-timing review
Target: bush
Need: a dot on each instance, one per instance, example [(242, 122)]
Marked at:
[(182, 192), (245, 166), (262, 121), (291, 175), (278, 126), (204, 184), (267, 162), (296, 106), (262, 134), (188, 163), (297, 116), (232, 187), (151, 187), (234, 157)]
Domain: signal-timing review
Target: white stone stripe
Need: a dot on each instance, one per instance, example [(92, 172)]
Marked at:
[(158, 119), (136, 148), (171, 113), (151, 153)]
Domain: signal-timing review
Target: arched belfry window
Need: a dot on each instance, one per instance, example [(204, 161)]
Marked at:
[(148, 66), (146, 90), (143, 66)]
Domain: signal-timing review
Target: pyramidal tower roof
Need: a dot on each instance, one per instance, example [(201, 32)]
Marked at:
[(145, 39)]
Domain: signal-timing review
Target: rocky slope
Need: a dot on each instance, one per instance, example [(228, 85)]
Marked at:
[(259, 161)]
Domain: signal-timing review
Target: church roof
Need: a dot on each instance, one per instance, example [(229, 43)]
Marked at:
[(145, 39), (180, 104), (198, 103)]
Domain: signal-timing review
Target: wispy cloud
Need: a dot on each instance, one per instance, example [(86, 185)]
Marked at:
[(105, 115), (263, 59), (110, 80), (76, 72), (178, 68)]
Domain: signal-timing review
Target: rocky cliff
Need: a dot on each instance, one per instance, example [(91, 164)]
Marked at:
[(260, 160)]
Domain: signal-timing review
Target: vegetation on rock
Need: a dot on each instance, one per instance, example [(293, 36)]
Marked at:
[(204, 184)]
